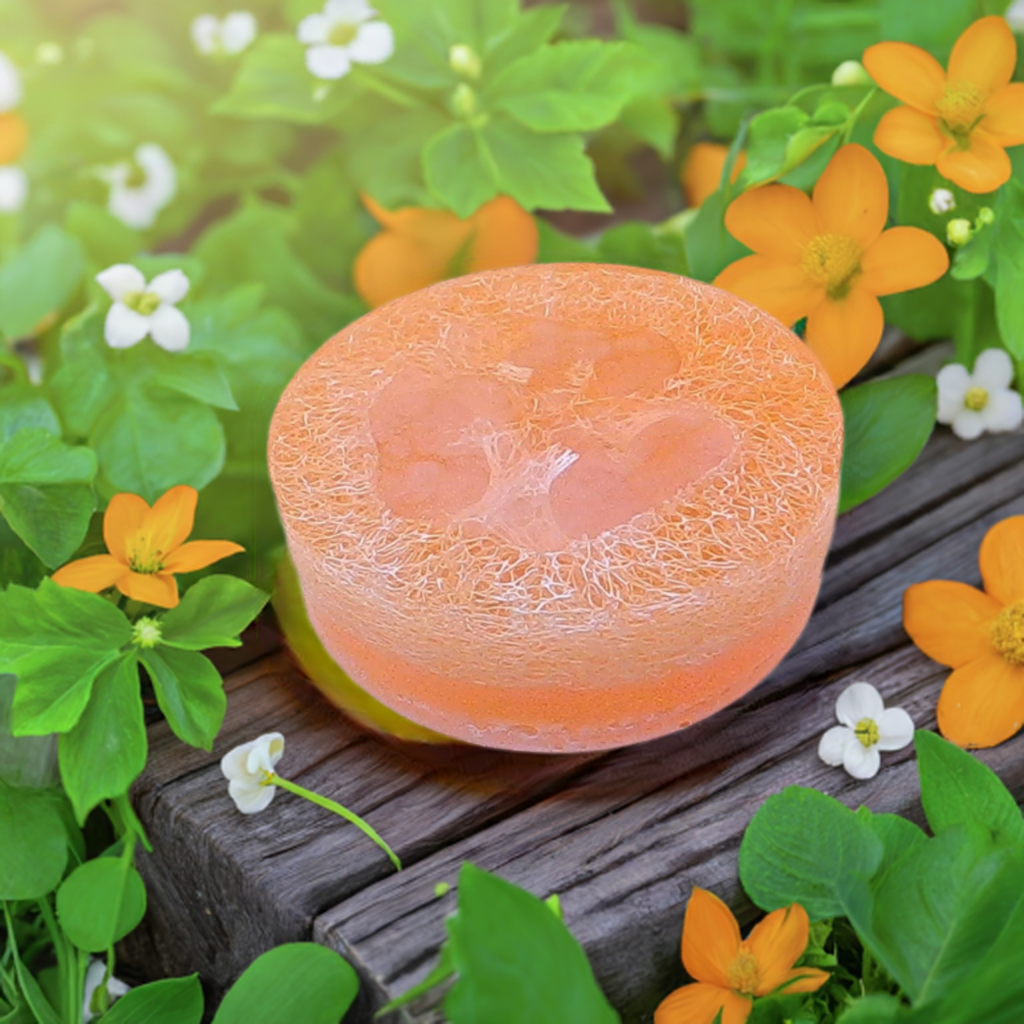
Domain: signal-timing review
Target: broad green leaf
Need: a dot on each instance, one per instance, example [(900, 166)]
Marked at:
[(898, 836), (556, 247), (100, 902), (673, 57), (879, 1008), (653, 120), (458, 170), (299, 981), (194, 376), (35, 842), (106, 750), (934, 26), (83, 387), (23, 406), (957, 788), (798, 848), (171, 1001), (972, 260), (533, 28), (212, 614), (926, 313), (1010, 266), (887, 424), (768, 141), (639, 244), (106, 240), (55, 639), (190, 692), (531, 968), (38, 280)]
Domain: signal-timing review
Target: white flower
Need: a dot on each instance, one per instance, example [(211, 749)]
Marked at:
[(140, 309), (93, 979), (973, 403), (342, 35), (851, 72), (249, 769), (941, 201), (13, 189), (231, 34), (10, 84), (867, 728), (138, 203), (1015, 16)]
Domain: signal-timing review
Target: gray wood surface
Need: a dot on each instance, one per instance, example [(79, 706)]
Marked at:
[(622, 836)]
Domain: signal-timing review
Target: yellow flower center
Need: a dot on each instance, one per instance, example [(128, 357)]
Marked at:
[(976, 399), (142, 560), (867, 732), (144, 303), (960, 108), (342, 34), (833, 261), (744, 975), (1008, 633)]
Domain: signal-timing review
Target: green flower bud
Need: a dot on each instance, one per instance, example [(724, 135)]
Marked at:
[(463, 100), (985, 217), (146, 632), (851, 72), (465, 61), (958, 231)]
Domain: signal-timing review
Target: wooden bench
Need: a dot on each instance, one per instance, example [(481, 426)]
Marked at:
[(622, 836)]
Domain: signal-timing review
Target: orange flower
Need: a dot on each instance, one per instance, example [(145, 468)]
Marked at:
[(962, 119), (13, 137), (729, 970), (981, 637), (828, 258), (147, 547), (702, 171), (420, 247)]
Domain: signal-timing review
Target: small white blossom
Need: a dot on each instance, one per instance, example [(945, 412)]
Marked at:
[(231, 34), (942, 201), (93, 979), (851, 72), (982, 401), (1015, 16), (138, 203), (867, 728), (13, 189), (249, 769), (10, 84), (342, 35), (142, 309)]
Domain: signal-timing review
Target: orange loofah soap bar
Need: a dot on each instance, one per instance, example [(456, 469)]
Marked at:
[(562, 507)]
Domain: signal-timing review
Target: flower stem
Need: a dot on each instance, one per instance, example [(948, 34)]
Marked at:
[(330, 805), (855, 116)]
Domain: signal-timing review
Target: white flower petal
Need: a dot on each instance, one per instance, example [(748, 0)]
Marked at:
[(993, 370), (832, 747), (895, 729), (330, 62), (968, 425), (233, 763), (313, 29), (206, 33), (10, 83), (251, 798), (133, 207), (1003, 412), (858, 701), (171, 286), (170, 328), (265, 754), (93, 979), (948, 408), (237, 31), (954, 381), (124, 327), (1015, 16), (351, 11), (161, 174), (862, 762), (13, 189), (374, 43), (117, 281)]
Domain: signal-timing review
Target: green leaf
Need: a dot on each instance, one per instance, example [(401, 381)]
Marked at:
[(556, 247), (1010, 269), (100, 902), (46, 492), (172, 1001), (972, 260), (195, 376), (768, 140), (531, 968), (83, 387), (38, 280), (898, 836), (879, 1008), (887, 424), (212, 614), (642, 245), (190, 692), (654, 120), (533, 28), (106, 240), (798, 848), (22, 406), (956, 788), (934, 26), (35, 842), (56, 639), (106, 750), (299, 981), (457, 170)]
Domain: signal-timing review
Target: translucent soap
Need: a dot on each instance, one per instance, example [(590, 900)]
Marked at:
[(559, 507)]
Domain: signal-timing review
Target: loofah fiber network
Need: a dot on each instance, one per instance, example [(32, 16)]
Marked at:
[(559, 507)]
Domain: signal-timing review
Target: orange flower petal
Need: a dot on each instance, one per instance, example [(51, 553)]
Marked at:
[(13, 137), (910, 136), (777, 943), (982, 703), (851, 197), (776, 220), (949, 621), (150, 588), (121, 522), (169, 521), (903, 258), (1004, 116), (198, 554), (506, 236), (711, 938), (982, 168), (1002, 561), (392, 265), (984, 55), (844, 335), (92, 574), (782, 289), (907, 72), (702, 171), (699, 1004), (803, 979)]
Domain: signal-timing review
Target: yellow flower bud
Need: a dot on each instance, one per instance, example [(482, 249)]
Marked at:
[(958, 231)]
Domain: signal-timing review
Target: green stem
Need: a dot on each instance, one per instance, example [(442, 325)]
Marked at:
[(130, 820), (379, 86), (855, 116), (330, 805)]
